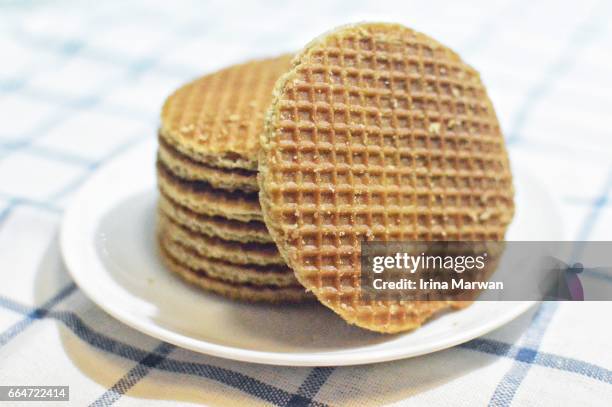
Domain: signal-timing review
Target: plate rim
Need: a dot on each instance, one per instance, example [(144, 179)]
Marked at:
[(70, 226)]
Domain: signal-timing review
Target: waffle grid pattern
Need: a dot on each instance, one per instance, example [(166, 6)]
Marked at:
[(391, 139), (217, 119)]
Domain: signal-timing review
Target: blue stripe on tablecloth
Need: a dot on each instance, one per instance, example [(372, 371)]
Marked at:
[(79, 103), (19, 82), (89, 166), (506, 389), (245, 383), (99, 55), (544, 359), (93, 165), (133, 70), (307, 392), (14, 202), (70, 48), (135, 374), (33, 314), (238, 380), (60, 156), (316, 378)]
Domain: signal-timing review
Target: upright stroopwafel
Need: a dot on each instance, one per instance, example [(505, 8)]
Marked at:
[(217, 119), (379, 133)]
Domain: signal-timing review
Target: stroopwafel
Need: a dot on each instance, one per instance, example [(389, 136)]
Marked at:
[(228, 229), (238, 291), (272, 275), (379, 133), (188, 169), (201, 197), (217, 248), (217, 119)]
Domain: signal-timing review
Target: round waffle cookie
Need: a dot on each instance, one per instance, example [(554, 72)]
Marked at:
[(217, 119), (227, 229), (184, 167), (217, 248), (378, 132), (201, 197), (272, 275), (237, 291)]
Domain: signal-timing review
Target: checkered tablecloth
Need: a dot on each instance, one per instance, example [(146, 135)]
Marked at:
[(80, 83)]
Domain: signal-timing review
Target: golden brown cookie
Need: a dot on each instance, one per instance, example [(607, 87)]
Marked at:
[(217, 119), (217, 248), (378, 132), (237, 291), (201, 197), (272, 275), (184, 167), (228, 229)]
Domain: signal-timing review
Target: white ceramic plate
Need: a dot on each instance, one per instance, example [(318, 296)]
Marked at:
[(109, 247)]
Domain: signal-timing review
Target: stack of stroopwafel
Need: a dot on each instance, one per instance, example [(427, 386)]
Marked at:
[(372, 132), (210, 225)]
